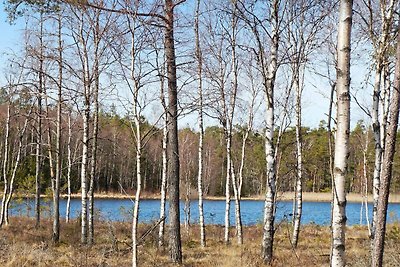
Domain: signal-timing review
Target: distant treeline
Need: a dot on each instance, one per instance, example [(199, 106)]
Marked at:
[(116, 158)]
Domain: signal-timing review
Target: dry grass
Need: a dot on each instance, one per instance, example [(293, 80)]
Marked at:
[(23, 245)]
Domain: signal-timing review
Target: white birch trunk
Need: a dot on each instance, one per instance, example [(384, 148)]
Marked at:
[(299, 145), (163, 184), (342, 134), (227, 189), (238, 217), (378, 146), (138, 138), (56, 193), (379, 125), (164, 167), (365, 174), (387, 166), (201, 130), (92, 175), (138, 189), (84, 166), (14, 172), (69, 168), (269, 205), (85, 138), (5, 162), (269, 81)]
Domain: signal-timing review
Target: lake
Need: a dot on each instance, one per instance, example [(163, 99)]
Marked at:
[(252, 211)]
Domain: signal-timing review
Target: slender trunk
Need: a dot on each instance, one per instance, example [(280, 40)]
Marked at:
[(56, 193), (69, 168), (5, 162), (114, 155), (92, 175), (378, 145), (164, 167), (330, 147), (269, 205), (175, 246), (39, 129), (138, 138), (138, 189), (85, 139), (299, 145), (201, 128), (163, 182), (38, 160), (269, 82), (93, 166), (243, 157), (380, 100), (342, 134), (84, 166), (14, 172), (365, 176), (238, 217), (227, 188), (380, 227)]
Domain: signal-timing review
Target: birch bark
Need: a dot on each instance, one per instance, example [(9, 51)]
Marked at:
[(380, 227), (342, 134)]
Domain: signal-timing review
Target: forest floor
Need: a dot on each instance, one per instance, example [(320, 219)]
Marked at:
[(282, 196), (23, 245)]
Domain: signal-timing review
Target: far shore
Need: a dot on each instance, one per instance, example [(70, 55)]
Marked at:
[(282, 196)]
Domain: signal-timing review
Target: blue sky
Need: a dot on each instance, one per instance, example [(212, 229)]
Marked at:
[(10, 34)]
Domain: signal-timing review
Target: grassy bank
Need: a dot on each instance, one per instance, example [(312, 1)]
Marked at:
[(23, 245)]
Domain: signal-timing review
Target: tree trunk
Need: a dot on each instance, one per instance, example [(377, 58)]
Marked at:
[(227, 188), (378, 146), (84, 166), (365, 176), (39, 129), (5, 162), (201, 128), (269, 82), (14, 171), (299, 145), (138, 187), (163, 181), (342, 134), (380, 227), (38, 159), (238, 217), (69, 168), (56, 193), (175, 246), (92, 175)]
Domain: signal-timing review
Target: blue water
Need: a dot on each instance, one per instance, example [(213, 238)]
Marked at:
[(214, 210)]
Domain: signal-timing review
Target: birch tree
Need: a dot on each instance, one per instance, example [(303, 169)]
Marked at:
[(56, 192), (268, 67), (305, 22), (342, 134), (199, 58), (386, 175), (376, 22)]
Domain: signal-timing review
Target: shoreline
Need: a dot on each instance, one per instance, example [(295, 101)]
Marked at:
[(282, 196)]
